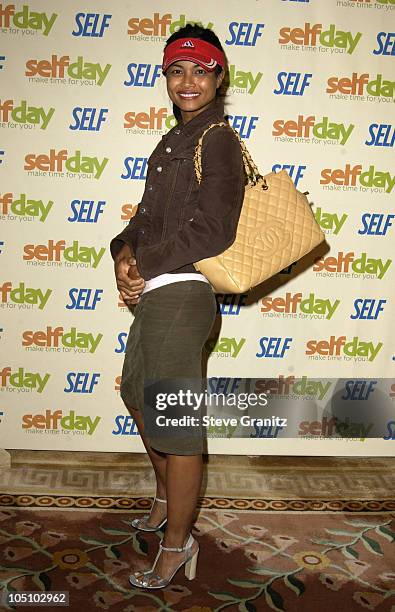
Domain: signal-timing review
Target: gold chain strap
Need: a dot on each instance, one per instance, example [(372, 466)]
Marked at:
[(251, 170)]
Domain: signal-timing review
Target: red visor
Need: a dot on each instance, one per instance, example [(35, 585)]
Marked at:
[(193, 50)]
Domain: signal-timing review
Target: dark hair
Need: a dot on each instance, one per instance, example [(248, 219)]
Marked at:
[(196, 31)]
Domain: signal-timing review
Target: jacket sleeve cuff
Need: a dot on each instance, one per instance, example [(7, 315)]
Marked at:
[(119, 241)]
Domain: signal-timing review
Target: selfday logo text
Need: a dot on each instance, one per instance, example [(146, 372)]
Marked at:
[(290, 385), (355, 85), (25, 114), (312, 35), (310, 305), (52, 337), (370, 178), (52, 420), (323, 130), (229, 346), (23, 380), (336, 346), (54, 162), (74, 253), (79, 70), (243, 80), (26, 19), (160, 25), (24, 295), (361, 265), (329, 428), (24, 207), (328, 221)]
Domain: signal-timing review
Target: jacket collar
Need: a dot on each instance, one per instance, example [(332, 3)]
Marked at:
[(214, 112)]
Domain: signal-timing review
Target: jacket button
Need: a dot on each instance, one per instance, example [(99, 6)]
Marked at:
[(159, 169), (168, 149), (150, 188), (177, 132), (142, 209), (142, 231)]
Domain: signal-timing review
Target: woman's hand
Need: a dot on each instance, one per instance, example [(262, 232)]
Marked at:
[(128, 278)]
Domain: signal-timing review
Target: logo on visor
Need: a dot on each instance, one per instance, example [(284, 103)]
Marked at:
[(188, 43)]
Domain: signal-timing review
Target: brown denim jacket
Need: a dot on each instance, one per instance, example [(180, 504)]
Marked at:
[(178, 221)]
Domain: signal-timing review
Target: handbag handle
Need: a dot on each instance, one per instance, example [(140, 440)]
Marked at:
[(251, 170)]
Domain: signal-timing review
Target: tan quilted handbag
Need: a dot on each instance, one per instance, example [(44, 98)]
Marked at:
[(276, 228)]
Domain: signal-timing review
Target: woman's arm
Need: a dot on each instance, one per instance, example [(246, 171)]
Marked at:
[(126, 236), (122, 239), (214, 224)]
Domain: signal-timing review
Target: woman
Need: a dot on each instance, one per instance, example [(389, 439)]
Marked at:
[(178, 222)]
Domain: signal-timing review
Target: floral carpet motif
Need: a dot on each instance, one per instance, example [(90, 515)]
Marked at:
[(295, 560)]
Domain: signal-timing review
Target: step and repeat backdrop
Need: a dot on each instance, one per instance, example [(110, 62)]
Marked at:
[(83, 103)]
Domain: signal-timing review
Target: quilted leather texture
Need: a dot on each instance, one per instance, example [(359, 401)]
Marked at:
[(276, 228)]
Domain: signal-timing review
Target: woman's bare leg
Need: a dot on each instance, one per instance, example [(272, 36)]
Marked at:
[(181, 493), (183, 482), (159, 462)]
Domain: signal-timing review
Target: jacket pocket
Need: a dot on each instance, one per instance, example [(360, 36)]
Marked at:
[(187, 213), (182, 191), (185, 173)]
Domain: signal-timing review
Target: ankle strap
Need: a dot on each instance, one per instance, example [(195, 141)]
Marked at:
[(172, 548), (178, 548)]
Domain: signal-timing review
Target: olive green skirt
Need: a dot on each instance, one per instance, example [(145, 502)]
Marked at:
[(171, 325)]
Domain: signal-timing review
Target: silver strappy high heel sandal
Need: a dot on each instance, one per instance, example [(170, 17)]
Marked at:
[(141, 523), (190, 563)]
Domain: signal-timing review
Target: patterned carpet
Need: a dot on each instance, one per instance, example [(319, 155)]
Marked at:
[(250, 559), (272, 546)]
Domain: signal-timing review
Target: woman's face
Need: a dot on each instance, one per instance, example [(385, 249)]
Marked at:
[(191, 88)]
